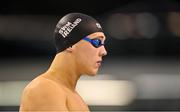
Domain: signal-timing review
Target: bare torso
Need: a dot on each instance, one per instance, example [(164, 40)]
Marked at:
[(45, 94)]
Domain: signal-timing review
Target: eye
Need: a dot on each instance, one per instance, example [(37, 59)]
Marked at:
[(97, 41)]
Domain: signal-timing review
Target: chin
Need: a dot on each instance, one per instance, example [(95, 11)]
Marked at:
[(93, 72)]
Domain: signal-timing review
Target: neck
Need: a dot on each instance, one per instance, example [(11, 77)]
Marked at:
[(63, 70)]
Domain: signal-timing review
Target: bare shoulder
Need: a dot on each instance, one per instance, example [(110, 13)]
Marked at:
[(43, 94), (41, 84)]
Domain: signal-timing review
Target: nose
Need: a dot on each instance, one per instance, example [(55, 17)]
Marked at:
[(103, 51)]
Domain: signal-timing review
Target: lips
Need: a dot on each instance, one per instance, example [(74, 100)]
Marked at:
[(99, 63)]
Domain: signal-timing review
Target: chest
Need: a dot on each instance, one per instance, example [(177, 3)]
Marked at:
[(75, 102)]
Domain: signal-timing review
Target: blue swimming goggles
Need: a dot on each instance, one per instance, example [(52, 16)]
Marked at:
[(95, 42)]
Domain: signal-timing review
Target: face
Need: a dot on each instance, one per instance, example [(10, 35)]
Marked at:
[(88, 58)]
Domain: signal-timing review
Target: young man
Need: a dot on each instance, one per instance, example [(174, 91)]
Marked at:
[(79, 40)]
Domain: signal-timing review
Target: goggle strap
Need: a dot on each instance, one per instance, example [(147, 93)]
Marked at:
[(87, 39)]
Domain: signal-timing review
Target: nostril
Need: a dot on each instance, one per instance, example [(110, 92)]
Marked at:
[(104, 54)]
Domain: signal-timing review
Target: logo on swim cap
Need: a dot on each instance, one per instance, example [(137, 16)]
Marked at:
[(68, 27), (98, 25)]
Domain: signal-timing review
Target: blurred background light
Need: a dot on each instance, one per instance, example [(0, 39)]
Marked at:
[(107, 92), (132, 25), (119, 25), (174, 23), (147, 25), (158, 86), (10, 92)]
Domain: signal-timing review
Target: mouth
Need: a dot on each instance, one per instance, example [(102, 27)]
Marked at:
[(99, 63)]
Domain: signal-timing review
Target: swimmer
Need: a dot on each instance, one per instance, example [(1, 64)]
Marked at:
[(79, 42)]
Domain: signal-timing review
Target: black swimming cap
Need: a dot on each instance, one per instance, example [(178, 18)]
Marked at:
[(72, 28)]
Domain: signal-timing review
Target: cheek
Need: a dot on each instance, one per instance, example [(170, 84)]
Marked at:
[(90, 63), (86, 57), (90, 55), (82, 59), (87, 61)]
